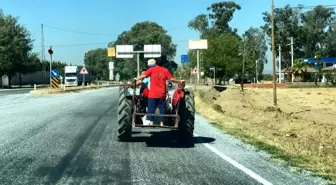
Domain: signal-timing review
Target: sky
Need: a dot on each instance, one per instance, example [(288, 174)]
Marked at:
[(106, 19)]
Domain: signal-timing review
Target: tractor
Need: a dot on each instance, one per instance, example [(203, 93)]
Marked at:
[(180, 112)]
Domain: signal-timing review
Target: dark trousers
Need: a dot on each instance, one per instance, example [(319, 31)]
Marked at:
[(153, 103)]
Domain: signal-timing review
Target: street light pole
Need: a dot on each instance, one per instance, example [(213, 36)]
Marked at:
[(273, 59)]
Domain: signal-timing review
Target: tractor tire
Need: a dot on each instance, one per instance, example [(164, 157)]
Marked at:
[(124, 116), (187, 117)]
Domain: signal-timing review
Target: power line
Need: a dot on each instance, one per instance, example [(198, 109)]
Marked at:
[(35, 33), (91, 33), (97, 43)]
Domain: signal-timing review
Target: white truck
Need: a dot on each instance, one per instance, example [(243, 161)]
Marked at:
[(73, 76)]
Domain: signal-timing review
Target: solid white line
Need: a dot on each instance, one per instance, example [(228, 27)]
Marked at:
[(237, 165), (4, 90)]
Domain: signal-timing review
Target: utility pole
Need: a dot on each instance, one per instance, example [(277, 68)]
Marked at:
[(243, 68), (273, 59), (279, 63), (256, 71), (292, 54), (198, 66), (43, 53)]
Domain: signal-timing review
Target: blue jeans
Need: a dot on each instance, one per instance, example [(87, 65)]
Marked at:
[(152, 104)]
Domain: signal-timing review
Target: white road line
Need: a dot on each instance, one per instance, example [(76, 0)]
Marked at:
[(237, 165), (4, 90)]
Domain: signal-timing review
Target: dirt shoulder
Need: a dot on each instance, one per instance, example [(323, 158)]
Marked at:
[(302, 130)]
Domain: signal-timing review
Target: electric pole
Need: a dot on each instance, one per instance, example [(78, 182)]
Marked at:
[(243, 68), (292, 54), (273, 59), (43, 54), (279, 63), (256, 71)]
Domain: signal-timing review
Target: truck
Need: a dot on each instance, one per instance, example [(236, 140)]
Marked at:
[(72, 76)]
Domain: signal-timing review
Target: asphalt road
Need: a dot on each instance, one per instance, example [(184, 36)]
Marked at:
[(5, 92), (71, 139)]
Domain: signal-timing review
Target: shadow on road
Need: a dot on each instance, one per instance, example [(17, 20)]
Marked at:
[(170, 139)]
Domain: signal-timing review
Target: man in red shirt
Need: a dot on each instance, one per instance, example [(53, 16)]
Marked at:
[(157, 92)]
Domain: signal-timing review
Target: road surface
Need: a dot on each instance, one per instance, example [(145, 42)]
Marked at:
[(71, 139), (5, 92)]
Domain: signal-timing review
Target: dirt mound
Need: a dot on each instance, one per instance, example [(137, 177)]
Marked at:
[(303, 124)]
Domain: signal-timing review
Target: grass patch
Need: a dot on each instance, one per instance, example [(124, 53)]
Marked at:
[(259, 145)]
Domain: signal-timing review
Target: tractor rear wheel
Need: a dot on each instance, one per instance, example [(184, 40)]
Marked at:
[(124, 116), (187, 117)]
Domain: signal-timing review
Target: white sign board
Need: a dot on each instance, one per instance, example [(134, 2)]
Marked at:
[(124, 48), (111, 65), (198, 44), (156, 49), (111, 75)]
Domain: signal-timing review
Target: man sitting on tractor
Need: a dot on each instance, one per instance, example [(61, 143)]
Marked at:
[(157, 93)]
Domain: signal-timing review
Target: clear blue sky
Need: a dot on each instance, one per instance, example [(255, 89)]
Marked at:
[(111, 17)]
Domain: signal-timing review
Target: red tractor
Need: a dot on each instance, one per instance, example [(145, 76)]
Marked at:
[(180, 114)]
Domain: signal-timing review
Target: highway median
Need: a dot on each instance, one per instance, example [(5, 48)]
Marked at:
[(66, 90)]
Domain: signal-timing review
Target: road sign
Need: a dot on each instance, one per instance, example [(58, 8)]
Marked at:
[(117, 77), (198, 44), (54, 82), (195, 71), (83, 71), (152, 51), (121, 49), (111, 65), (111, 52), (54, 73), (184, 59), (50, 50), (212, 68)]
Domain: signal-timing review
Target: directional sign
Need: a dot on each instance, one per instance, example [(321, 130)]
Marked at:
[(117, 77), (111, 65), (152, 51), (54, 73), (83, 71), (212, 68), (184, 59)]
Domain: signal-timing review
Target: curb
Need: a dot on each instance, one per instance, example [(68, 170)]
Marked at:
[(47, 91)]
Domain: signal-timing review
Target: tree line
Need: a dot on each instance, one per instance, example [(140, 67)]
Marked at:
[(139, 35), (16, 45), (313, 32)]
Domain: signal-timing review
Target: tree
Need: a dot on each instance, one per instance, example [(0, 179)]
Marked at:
[(286, 25), (15, 46), (97, 61), (256, 48), (330, 42), (315, 24), (224, 44), (222, 14)]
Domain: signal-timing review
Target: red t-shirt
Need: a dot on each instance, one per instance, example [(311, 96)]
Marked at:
[(158, 76)]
